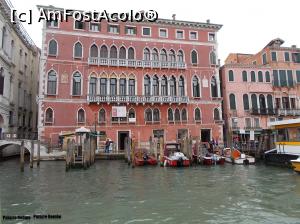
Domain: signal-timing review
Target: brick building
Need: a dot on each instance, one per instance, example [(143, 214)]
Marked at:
[(260, 88), (136, 79)]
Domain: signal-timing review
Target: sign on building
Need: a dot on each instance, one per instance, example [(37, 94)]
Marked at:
[(118, 111), (251, 135)]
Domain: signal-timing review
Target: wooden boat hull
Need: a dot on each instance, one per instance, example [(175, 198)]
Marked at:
[(241, 161), (177, 163), (142, 162), (296, 165)]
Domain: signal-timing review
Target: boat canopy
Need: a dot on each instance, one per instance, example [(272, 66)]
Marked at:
[(285, 123)]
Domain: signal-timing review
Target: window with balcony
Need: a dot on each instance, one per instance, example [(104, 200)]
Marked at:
[(267, 76), (131, 53), (197, 114), (148, 115), (181, 86), (232, 103), (246, 101), (253, 76), (103, 86), (113, 86), (214, 87), (260, 76), (103, 52), (290, 79), (254, 103), (155, 86), (270, 103), (262, 104), (277, 103), (93, 86), (164, 86), (113, 29), (131, 90), (179, 34), (230, 76), (146, 31), (196, 87), (194, 57), (293, 103), (147, 85), (122, 86), (273, 56), (102, 116), (183, 114), (163, 55), (172, 56), (285, 102), (163, 33), (245, 76), (78, 50), (155, 55), (173, 86), (177, 115), (49, 116), (180, 56), (146, 54), (94, 51), (76, 84), (170, 115), (122, 53), (282, 78), (52, 51), (94, 27), (51, 83), (79, 25), (156, 116), (113, 52), (80, 116), (130, 30)]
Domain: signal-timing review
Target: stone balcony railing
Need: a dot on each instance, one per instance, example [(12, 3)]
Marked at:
[(288, 112), (262, 111), (137, 99), (135, 63)]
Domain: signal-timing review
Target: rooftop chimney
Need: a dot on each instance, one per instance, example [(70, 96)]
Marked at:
[(174, 16), (208, 21)]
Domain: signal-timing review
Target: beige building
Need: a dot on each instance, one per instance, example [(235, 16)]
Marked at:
[(19, 68)]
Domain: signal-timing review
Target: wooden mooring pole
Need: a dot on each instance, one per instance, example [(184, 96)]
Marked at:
[(22, 156), (31, 153), (38, 152)]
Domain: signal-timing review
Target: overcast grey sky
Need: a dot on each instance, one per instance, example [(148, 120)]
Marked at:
[(248, 25)]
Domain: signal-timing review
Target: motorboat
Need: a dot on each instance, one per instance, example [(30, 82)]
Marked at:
[(146, 159), (296, 164), (234, 156), (173, 157)]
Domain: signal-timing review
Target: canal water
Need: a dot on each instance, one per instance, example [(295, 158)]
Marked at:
[(112, 192)]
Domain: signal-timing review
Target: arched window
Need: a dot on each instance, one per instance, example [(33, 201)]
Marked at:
[(180, 56), (49, 116), (268, 79), (156, 116), (254, 102), (270, 103), (214, 87), (246, 101), (163, 55), (253, 78), (230, 76), (113, 52), (76, 84), (130, 53), (81, 116), (172, 56), (131, 86), (177, 114), (146, 54), (122, 53), (217, 114), (164, 86), (148, 115), (194, 57), (94, 51), (103, 86), (52, 48), (184, 115), (232, 102), (3, 37), (181, 86), (196, 87), (147, 85), (155, 86), (131, 113), (213, 58), (260, 76), (51, 84), (245, 77), (172, 86), (155, 55), (197, 114), (93, 86), (78, 50), (170, 115), (262, 103), (122, 87), (113, 86), (103, 52), (102, 116)]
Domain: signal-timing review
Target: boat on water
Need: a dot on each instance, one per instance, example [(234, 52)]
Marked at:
[(173, 157), (145, 159), (287, 142), (234, 156), (209, 159), (296, 164)]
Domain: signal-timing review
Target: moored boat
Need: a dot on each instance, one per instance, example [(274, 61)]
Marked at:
[(173, 157), (236, 157), (296, 164), (145, 160)]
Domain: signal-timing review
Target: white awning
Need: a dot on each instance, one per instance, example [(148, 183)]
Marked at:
[(82, 130)]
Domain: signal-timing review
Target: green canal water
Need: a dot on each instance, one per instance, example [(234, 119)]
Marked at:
[(112, 192)]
